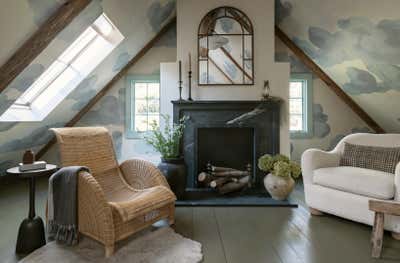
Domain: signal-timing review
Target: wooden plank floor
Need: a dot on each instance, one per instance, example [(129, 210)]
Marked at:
[(236, 234)]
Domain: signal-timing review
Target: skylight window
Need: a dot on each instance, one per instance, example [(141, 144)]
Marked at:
[(66, 72)]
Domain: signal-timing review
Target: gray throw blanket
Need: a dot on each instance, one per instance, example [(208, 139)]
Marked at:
[(62, 223)]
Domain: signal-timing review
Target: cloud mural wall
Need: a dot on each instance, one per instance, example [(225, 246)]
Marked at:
[(357, 45)]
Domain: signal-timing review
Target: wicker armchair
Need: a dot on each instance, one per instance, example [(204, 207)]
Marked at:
[(114, 201)]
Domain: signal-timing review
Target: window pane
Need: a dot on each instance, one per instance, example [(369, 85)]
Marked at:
[(68, 78), (78, 45), (296, 89), (141, 106), (296, 106), (140, 123), (152, 119), (41, 83), (91, 56), (140, 90), (153, 90), (296, 123), (154, 106)]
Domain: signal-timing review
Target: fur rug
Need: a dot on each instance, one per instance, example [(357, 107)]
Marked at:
[(160, 246)]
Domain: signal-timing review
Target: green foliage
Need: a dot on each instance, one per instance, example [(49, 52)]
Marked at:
[(166, 142), (281, 169), (279, 165), (266, 162)]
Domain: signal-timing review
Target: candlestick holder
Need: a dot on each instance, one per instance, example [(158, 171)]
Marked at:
[(190, 86), (180, 90)]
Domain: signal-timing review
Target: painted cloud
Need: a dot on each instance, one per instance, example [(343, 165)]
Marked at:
[(320, 122), (158, 13)]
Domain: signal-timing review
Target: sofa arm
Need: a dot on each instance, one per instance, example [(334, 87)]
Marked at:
[(397, 183), (313, 159), (94, 213), (141, 174)]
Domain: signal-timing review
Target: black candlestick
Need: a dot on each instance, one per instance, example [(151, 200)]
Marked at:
[(180, 90), (190, 86)]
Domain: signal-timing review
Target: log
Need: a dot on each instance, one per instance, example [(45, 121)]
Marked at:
[(221, 169), (220, 181), (234, 186), (205, 178), (234, 173)]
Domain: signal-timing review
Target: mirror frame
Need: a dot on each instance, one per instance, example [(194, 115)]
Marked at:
[(251, 34)]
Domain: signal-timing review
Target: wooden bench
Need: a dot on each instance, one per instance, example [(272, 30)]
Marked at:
[(381, 208)]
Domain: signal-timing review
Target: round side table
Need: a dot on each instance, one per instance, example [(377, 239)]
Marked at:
[(31, 231)]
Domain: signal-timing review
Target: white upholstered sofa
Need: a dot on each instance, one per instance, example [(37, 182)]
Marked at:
[(344, 191)]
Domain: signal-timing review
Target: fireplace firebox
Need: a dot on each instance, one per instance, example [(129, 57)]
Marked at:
[(227, 134)]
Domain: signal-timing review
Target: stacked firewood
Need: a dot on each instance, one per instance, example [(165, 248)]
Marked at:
[(224, 179)]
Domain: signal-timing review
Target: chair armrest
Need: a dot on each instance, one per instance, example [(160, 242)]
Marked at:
[(94, 213), (397, 183), (313, 159), (141, 174)]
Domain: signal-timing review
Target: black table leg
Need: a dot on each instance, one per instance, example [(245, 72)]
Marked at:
[(31, 231)]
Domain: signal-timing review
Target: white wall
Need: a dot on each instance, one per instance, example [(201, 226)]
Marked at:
[(261, 13)]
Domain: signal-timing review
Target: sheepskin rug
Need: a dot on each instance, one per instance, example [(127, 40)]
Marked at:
[(159, 246)]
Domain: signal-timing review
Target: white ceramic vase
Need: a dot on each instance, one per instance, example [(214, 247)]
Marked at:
[(278, 187)]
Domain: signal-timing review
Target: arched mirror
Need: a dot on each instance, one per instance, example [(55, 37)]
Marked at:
[(225, 48)]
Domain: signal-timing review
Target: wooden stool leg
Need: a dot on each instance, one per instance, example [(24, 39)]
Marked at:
[(377, 235)]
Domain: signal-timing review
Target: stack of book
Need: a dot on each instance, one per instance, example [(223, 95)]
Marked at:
[(32, 166)]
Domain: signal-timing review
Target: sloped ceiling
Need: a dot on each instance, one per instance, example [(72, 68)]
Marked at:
[(138, 21), (357, 43)]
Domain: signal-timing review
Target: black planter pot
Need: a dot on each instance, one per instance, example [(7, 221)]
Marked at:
[(174, 170)]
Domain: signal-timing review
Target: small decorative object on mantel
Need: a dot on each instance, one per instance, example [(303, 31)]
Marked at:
[(266, 90), (225, 179), (180, 80), (190, 78), (167, 143), (281, 173)]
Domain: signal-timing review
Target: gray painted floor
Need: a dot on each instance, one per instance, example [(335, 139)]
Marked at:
[(235, 234)]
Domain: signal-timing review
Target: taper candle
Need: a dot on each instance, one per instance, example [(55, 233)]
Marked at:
[(190, 62), (180, 71)]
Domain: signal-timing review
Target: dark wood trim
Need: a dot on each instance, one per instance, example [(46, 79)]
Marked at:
[(328, 81), (111, 83), (39, 41)]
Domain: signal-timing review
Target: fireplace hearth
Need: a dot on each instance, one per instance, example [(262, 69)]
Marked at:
[(227, 134)]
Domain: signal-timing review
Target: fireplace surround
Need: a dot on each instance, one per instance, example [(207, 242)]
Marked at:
[(227, 133)]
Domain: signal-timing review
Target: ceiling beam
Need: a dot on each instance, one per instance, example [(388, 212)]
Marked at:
[(328, 81), (111, 83), (39, 40)]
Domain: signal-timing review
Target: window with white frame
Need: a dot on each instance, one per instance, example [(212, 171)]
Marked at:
[(300, 105), (66, 72), (142, 104)]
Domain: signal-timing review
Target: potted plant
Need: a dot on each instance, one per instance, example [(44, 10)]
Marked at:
[(281, 173), (167, 143)]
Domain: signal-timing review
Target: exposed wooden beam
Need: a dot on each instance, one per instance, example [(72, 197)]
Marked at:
[(111, 83), (39, 41), (328, 81)]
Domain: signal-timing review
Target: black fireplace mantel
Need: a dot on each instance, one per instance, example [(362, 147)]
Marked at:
[(263, 117)]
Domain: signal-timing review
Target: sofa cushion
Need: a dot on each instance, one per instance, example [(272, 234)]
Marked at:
[(361, 181), (383, 159)]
